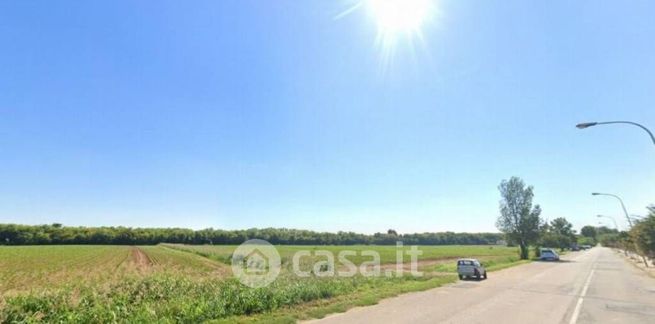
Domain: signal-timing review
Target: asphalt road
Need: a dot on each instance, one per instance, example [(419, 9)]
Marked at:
[(594, 286)]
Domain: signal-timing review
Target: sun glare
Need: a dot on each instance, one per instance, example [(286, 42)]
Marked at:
[(396, 20), (394, 16)]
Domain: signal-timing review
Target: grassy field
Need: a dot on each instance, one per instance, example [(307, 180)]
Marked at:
[(433, 259), (223, 253), (183, 283), (27, 268)]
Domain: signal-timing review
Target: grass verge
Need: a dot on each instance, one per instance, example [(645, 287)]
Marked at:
[(366, 295)]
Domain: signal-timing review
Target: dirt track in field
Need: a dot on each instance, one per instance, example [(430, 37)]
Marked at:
[(140, 259)]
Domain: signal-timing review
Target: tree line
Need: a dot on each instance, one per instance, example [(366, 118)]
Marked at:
[(14, 234)]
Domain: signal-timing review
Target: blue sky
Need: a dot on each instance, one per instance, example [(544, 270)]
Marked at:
[(239, 114)]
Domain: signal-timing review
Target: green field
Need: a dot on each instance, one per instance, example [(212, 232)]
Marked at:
[(185, 283), (387, 253)]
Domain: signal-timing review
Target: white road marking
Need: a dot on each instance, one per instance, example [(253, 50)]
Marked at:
[(578, 306)]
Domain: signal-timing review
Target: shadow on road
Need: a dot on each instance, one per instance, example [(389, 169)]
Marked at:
[(556, 261)]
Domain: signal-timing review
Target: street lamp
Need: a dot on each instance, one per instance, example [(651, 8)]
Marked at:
[(620, 200), (587, 125), (624, 210), (612, 218)]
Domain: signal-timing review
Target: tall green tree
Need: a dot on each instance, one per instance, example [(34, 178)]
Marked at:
[(563, 232), (518, 219), (588, 231)]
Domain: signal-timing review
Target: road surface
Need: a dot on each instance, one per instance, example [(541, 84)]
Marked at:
[(594, 286)]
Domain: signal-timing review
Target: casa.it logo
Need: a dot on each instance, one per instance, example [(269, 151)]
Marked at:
[(256, 263)]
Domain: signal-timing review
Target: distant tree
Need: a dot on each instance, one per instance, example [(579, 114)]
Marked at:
[(563, 232), (519, 220), (588, 231), (609, 239), (549, 239), (600, 230), (561, 226), (584, 240), (392, 232)]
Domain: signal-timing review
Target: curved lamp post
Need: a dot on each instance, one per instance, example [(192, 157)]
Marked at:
[(587, 125), (627, 216), (620, 200)]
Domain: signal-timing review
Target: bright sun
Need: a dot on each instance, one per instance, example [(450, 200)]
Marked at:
[(396, 20), (394, 16)]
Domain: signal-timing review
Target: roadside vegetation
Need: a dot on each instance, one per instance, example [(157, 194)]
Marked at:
[(643, 235)]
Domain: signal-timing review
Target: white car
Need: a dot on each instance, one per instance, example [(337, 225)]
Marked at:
[(470, 268), (548, 255)]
